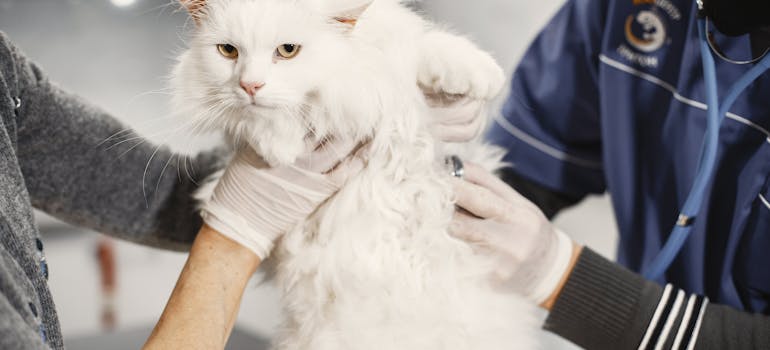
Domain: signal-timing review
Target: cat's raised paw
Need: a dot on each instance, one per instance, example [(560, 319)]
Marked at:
[(452, 65)]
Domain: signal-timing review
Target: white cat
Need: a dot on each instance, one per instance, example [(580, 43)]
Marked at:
[(374, 267)]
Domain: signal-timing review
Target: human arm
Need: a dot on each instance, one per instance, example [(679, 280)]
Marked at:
[(596, 303), (605, 306), (250, 208), (202, 309), (77, 168)]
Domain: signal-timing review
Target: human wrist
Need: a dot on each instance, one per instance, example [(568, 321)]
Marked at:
[(550, 265), (213, 245), (551, 300), (231, 226)]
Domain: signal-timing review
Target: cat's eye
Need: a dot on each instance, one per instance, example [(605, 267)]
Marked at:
[(287, 51), (228, 51)]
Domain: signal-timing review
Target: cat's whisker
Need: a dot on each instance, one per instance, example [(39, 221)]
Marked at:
[(164, 91), (205, 119), (144, 175), (160, 178), (134, 138), (148, 136), (130, 149), (163, 170), (160, 8), (126, 130), (133, 129), (178, 173), (188, 170)]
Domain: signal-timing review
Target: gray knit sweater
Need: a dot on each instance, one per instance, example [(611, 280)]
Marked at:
[(51, 159)]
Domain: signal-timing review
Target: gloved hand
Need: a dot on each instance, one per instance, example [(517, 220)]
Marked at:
[(254, 204), (456, 120), (533, 255)]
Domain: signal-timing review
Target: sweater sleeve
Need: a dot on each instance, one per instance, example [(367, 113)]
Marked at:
[(78, 168), (604, 306)]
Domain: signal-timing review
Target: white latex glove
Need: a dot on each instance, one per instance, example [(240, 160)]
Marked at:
[(456, 121), (533, 255), (254, 204)]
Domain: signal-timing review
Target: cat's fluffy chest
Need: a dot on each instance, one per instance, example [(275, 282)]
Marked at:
[(375, 269)]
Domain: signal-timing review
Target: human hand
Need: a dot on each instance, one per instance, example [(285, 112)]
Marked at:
[(533, 256), (254, 204), (456, 120)]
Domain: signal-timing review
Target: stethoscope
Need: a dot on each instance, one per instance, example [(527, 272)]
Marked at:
[(716, 112)]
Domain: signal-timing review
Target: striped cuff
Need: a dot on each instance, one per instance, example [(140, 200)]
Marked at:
[(605, 306), (676, 321)]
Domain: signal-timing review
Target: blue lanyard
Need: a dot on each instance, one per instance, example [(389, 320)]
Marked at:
[(716, 113)]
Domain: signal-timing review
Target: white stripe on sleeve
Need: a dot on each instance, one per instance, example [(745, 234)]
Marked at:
[(696, 331), (685, 321), (670, 320), (656, 316)]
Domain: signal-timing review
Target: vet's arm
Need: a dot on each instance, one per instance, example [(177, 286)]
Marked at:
[(204, 304), (84, 167), (593, 302), (604, 306)]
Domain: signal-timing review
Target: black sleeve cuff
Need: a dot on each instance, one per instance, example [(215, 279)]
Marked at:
[(603, 305)]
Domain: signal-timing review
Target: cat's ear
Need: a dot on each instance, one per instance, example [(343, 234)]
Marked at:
[(346, 12), (195, 8)]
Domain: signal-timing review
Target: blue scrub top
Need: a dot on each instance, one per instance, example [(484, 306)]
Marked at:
[(610, 97)]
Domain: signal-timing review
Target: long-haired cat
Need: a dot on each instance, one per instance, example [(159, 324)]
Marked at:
[(374, 267)]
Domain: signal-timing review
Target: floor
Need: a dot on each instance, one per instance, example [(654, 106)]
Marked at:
[(117, 53)]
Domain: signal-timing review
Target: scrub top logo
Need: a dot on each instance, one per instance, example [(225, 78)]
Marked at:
[(646, 31), (653, 34)]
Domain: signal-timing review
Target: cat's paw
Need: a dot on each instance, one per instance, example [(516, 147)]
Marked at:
[(452, 65)]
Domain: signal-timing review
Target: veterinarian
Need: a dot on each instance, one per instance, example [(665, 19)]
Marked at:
[(610, 97)]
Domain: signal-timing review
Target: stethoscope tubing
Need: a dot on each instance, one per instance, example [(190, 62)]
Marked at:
[(716, 113)]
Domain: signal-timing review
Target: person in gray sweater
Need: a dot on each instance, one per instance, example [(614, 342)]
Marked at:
[(50, 160)]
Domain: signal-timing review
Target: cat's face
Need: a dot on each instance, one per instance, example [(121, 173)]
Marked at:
[(256, 68)]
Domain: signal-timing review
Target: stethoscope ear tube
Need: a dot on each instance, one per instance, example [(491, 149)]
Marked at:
[(715, 113)]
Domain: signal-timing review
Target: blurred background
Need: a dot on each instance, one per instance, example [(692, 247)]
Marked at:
[(117, 54)]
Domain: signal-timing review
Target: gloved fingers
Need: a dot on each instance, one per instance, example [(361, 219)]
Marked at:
[(474, 173), (249, 156), (462, 112), (458, 133), (478, 200), (326, 155), (458, 124), (466, 227)]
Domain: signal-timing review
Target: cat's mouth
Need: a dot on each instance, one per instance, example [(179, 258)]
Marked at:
[(256, 104)]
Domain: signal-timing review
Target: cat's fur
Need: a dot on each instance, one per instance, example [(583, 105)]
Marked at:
[(374, 267)]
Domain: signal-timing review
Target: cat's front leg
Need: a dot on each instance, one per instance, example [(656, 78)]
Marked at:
[(452, 65)]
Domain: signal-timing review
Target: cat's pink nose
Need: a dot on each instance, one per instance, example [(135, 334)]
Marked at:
[(251, 88)]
